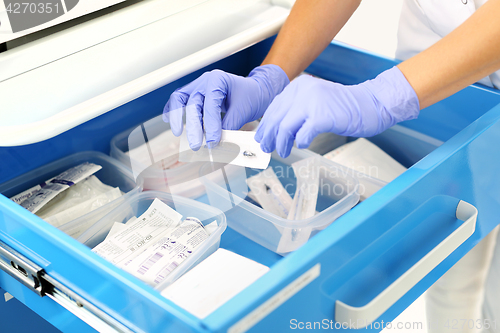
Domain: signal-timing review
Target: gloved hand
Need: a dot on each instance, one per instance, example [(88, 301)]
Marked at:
[(310, 106), (244, 99)]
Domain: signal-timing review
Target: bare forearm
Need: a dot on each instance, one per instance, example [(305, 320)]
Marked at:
[(309, 29), (466, 55)]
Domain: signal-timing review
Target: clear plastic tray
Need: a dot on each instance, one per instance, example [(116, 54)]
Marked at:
[(395, 142), (273, 232), (137, 204), (183, 180), (113, 173)]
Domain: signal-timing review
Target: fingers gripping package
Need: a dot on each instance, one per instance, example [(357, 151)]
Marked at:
[(151, 150)]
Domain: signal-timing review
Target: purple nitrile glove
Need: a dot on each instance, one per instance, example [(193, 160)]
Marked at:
[(244, 99), (310, 106)]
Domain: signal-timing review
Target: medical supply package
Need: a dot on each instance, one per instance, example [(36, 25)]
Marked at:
[(76, 197), (151, 246), (267, 190), (365, 157), (306, 194), (235, 147), (213, 282), (34, 200), (74, 204)]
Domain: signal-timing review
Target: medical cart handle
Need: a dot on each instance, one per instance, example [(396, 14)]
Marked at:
[(371, 311)]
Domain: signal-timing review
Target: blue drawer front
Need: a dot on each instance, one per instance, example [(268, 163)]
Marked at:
[(359, 255), (368, 248)]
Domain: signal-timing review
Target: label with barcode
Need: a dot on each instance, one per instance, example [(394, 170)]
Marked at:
[(152, 227), (150, 262), (159, 260), (163, 274)]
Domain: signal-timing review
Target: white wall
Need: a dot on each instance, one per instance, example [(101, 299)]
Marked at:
[(373, 26)]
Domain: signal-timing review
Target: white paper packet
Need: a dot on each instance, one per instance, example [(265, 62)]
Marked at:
[(57, 185), (21, 197), (211, 227), (86, 190), (116, 228), (147, 229), (235, 147), (78, 210), (155, 263), (213, 282), (365, 157), (268, 191), (306, 194)]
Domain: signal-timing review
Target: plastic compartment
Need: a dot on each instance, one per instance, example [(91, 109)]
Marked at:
[(137, 204), (113, 173), (403, 144), (183, 180), (280, 235)]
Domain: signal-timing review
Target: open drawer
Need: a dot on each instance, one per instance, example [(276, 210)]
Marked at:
[(368, 265)]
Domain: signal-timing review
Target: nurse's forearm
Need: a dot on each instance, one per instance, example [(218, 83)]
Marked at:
[(310, 27), (466, 55)]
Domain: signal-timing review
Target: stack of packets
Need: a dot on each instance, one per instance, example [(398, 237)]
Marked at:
[(69, 195), (366, 158), (152, 245), (269, 193)]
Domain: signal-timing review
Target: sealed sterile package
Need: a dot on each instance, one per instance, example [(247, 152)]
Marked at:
[(268, 191), (151, 246), (253, 199), (211, 227), (75, 211), (155, 263), (58, 184), (306, 195), (365, 157), (21, 197), (235, 147), (147, 229), (116, 228), (213, 282), (86, 190), (303, 205)]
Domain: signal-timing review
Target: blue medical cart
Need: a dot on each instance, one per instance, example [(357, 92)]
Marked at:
[(371, 263)]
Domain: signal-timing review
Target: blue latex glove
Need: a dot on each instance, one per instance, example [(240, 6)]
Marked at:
[(310, 106), (244, 99)]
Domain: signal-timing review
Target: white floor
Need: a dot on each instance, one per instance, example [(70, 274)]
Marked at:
[(374, 27)]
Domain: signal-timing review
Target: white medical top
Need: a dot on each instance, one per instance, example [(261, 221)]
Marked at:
[(424, 22)]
